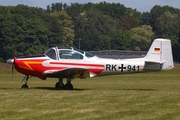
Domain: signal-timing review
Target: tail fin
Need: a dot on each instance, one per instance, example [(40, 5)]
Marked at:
[(159, 56)]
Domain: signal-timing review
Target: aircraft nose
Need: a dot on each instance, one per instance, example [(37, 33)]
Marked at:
[(10, 60)]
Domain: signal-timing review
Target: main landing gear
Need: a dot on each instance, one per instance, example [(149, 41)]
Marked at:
[(60, 85)]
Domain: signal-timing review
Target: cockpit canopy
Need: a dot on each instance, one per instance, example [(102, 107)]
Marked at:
[(58, 53)]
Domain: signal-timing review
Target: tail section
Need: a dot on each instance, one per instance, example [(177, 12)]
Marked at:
[(159, 56)]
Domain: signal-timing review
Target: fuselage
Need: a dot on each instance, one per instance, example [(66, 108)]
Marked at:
[(96, 66), (66, 62)]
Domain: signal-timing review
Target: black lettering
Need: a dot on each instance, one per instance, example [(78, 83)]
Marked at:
[(138, 68), (108, 67), (134, 68), (129, 68), (114, 67)]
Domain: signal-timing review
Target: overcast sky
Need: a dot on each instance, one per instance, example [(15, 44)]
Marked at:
[(140, 5)]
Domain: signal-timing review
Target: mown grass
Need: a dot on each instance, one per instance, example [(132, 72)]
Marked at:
[(146, 96)]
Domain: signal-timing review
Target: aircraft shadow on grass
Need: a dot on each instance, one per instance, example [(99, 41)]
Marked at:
[(52, 88), (78, 89), (139, 89)]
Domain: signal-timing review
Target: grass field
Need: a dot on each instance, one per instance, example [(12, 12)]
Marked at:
[(146, 96)]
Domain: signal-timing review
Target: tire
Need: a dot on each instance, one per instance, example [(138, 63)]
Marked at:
[(59, 86), (68, 86), (24, 86)]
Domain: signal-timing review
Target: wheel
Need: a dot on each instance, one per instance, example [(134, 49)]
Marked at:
[(69, 86), (59, 86), (24, 86)]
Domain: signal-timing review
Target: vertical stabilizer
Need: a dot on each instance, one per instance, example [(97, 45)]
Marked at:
[(160, 53)]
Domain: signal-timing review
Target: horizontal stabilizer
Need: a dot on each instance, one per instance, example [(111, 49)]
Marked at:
[(160, 62), (153, 65)]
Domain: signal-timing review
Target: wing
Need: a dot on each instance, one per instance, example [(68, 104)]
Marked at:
[(73, 72)]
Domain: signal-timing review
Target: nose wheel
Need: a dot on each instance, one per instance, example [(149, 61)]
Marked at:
[(24, 86)]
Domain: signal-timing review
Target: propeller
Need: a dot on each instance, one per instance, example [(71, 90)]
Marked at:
[(11, 61)]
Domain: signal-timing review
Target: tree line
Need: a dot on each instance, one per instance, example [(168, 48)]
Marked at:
[(28, 30)]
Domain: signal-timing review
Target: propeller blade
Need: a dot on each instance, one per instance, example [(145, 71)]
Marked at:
[(12, 71)]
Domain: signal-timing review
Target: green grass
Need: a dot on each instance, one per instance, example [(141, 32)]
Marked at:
[(146, 96)]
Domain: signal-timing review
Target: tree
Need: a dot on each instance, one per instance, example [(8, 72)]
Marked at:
[(115, 10), (74, 9), (56, 7), (127, 22), (94, 29), (67, 25), (11, 35), (25, 30), (135, 14), (121, 40), (34, 35), (157, 11), (141, 37), (167, 26), (146, 18)]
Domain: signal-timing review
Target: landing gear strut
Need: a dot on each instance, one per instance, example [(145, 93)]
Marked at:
[(25, 79), (60, 85)]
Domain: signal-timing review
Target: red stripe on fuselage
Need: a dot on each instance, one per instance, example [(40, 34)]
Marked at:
[(78, 64)]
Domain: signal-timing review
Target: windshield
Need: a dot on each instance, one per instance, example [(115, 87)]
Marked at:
[(51, 53)]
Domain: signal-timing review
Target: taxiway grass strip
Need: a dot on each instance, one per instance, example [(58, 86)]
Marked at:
[(150, 96)]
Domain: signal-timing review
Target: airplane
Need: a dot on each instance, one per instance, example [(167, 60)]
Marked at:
[(69, 63)]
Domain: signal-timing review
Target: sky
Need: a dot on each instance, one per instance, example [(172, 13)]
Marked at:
[(139, 5)]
